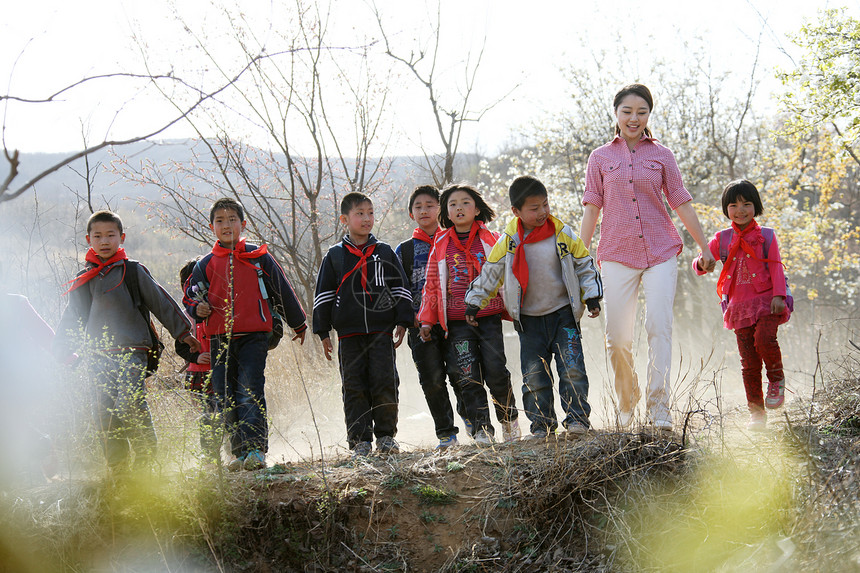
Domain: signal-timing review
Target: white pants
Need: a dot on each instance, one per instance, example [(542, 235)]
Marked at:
[(621, 291)]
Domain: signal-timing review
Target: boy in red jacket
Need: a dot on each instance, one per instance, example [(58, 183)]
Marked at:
[(229, 290)]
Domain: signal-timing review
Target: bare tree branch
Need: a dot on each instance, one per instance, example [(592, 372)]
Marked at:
[(7, 193), (87, 79), (449, 121)]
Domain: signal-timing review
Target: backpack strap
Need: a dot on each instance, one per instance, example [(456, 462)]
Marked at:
[(132, 282), (407, 256), (264, 294), (725, 241), (767, 234)]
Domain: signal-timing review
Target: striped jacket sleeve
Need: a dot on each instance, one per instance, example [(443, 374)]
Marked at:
[(590, 284), (324, 297)]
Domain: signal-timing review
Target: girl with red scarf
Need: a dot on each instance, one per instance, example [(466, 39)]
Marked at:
[(754, 293), (477, 352)]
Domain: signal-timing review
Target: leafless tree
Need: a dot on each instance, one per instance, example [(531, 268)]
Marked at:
[(450, 118), (9, 190), (292, 181)]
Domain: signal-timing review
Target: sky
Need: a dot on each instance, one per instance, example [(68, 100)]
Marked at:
[(48, 44)]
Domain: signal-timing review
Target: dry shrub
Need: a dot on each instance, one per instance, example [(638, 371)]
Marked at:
[(561, 496), (828, 438)]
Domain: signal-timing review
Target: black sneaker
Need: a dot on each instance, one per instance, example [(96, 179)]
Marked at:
[(362, 449), (387, 445)]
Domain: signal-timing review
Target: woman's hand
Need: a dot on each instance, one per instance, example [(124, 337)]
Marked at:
[(707, 262), (688, 216)]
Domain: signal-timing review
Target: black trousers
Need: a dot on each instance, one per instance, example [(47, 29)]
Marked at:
[(478, 354), (370, 386)]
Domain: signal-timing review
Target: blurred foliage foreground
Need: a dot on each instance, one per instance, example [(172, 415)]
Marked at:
[(709, 497)]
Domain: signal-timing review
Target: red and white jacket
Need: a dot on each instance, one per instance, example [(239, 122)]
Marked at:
[(434, 297)]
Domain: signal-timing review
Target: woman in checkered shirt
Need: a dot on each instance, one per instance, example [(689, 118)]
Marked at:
[(627, 179)]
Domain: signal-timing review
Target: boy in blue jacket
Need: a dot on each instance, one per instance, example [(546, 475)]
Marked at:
[(362, 293), (430, 356)]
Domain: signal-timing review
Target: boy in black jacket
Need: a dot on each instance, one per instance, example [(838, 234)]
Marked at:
[(430, 357), (361, 292)]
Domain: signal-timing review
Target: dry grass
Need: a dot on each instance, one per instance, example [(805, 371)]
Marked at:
[(784, 500), (826, 435)]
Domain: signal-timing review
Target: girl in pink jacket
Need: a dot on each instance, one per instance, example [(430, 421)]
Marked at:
[(754, 294), (476, 354)]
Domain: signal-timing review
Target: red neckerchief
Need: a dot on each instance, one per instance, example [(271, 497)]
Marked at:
[(92, 257), (422, 235), (742, 240), (361, 264), (521, 266), (470, 256), (239, 252)]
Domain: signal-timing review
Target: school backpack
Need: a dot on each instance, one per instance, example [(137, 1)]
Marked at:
[(156, 348), (768, 235), (277, 332)]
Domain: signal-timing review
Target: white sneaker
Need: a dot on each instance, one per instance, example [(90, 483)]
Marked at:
[(662, 424), (758, 421), (624, 420), (511, 431), (483, 437)]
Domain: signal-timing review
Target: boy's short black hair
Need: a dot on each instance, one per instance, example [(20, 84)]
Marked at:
[(523, 187), (186, 270), (741, 188), (226, 203), (428, 190), (104, 217), (352, 200), (485, 212)]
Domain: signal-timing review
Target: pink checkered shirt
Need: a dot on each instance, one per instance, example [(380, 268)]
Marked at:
[(636, 229)]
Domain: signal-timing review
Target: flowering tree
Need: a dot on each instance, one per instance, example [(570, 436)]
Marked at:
[(816, 166), (824, 89)]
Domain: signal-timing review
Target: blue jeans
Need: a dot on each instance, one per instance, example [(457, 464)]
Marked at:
[(238, 379), (542, 337), (431, 362), (478, 355)]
